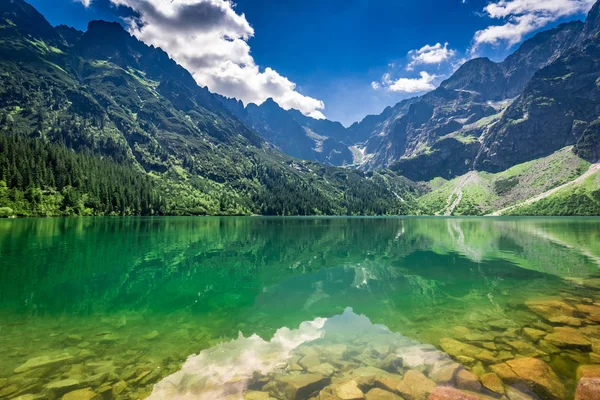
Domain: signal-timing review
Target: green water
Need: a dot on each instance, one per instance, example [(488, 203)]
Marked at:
[(135, 297)]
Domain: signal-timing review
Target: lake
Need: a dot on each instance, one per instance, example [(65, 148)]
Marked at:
[(298, 308)]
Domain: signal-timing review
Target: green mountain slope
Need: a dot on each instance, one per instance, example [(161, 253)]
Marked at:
[(480, 193), (108, 95)]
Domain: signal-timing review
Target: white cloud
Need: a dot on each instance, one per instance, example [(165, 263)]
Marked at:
[(210, 39), (407, 85), (86, 3), (427, 54), (522, 17)]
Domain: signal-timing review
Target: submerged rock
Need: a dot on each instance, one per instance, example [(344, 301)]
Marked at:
[(380, 394), (568, 338), (415, 386), (82, 394), (44, 361), (551, 308), (450, 393), (588, 389), (539, 376), (534, 334), (296, 387), (349, 391), (468, 381), (492, 383)]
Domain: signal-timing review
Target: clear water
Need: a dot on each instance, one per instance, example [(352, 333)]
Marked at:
[(131, 299)]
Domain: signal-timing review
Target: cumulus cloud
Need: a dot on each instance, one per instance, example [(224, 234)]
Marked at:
[(423, 83), (210, 39), (428, 54), (521, 17), (86, 3)]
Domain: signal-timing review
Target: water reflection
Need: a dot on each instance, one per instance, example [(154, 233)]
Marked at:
[(142, 294), (345, 344)]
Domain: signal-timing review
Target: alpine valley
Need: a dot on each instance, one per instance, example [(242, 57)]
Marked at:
[(99, 123)]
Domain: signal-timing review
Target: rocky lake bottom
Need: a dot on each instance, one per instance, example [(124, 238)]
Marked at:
[(417, 309)]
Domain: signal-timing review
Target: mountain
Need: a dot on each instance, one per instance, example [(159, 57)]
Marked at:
[(439, 133), (93, 121), (559, 106), (294, 133)]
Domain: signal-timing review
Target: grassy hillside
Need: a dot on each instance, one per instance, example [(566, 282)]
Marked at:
[(125, 105), (482, 193), (581, 198)]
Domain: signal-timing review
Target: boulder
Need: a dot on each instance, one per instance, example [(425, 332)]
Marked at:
[(324, 369), (539, 376), (44, 361), (415, 386), (450, 393), (564, 320), (296, 387), (82, 394), (388, 382), (568, 338), (445, 373), (534, 334), (551, 308), (492, 383), (588, 371), (468, 381), (349, 391), (588, 389), (58, 388), (380, 394)]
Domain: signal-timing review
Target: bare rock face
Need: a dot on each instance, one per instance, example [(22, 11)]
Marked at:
[(296, 387), (539, 376)]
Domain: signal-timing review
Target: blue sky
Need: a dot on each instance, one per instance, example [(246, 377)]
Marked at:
[(342, 59)]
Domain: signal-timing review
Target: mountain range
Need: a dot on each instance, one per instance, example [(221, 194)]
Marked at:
[(91, 105)]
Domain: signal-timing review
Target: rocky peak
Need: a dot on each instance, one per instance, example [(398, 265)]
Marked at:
[(592, 23), (27, 21)]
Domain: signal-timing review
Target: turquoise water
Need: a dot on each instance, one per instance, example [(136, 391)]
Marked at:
[(128, 300)]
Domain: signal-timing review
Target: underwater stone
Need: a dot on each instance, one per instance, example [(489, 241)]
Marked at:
[(296, 387), (551, 308), (253, 395), (468, 381), (82, 394), (349, 391), (568, 338), (388, 383), (152, 335), (563, 320), (415, 386), (324, 369), (450, 393), (43, 361), (445, 374), (58, 388), (539, 376), (492, 383), (588, 389), (380, 394), (534, 334)]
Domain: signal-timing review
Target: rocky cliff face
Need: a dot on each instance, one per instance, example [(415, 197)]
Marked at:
[(294, 133), (557, 107)]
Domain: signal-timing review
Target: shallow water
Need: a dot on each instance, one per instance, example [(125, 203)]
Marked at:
[(119, 304)]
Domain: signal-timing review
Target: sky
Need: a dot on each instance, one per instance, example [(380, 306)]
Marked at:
[(339, 59)]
